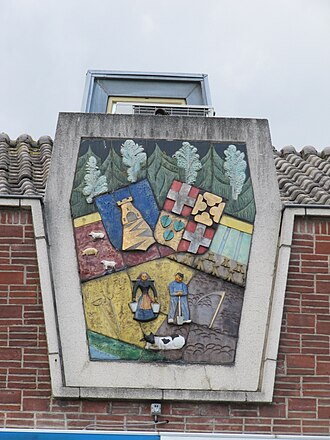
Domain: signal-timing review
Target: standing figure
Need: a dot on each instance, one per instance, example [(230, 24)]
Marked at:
[(178, 301), (145, 306)]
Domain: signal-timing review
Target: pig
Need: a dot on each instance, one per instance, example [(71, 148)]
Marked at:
[(89, 251)]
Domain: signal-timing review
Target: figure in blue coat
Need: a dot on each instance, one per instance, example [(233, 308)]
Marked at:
[(178, 292)]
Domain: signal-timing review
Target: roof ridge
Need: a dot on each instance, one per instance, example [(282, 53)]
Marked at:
[(25, 138), (306, 151)]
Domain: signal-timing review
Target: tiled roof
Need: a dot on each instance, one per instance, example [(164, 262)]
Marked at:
[(24, 165), (303, 177)]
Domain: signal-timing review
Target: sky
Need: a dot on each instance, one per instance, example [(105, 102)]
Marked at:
[(265, 58)]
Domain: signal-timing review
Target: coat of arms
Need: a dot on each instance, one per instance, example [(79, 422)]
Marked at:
[(163, 231)]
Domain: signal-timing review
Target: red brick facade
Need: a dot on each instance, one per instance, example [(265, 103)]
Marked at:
[(302, 390)]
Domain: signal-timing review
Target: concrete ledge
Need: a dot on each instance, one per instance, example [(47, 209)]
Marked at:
[(120, 393), (287, 224), (37, 215), (4, 201)]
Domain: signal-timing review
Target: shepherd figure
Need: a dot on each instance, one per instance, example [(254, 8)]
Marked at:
[(178, 301)]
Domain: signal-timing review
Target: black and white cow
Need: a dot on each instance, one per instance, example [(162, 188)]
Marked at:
[(173, 342)]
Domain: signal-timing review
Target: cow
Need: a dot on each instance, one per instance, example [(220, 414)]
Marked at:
[(154, 342)]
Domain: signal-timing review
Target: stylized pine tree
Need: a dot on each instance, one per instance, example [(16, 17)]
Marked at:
[(95, 183), (188, 159), (114, 170), (161, 172), (211, 177), (235, 167), (134, 158)]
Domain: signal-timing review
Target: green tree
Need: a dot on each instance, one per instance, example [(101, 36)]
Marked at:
[(161, 172), (79, 206), (114, 170), (211, 177)]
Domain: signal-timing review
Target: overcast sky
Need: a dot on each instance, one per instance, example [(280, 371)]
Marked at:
[(265, 58)]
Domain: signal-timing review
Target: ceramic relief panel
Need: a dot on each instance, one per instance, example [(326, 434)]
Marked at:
[(163, 231)]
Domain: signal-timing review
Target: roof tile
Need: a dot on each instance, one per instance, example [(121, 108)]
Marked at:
[(303, 178), (24, 165)]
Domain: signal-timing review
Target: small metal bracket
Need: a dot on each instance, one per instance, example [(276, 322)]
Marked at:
[(156, 410)]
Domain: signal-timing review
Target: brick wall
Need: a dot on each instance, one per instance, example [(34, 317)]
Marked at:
[(302, 391)]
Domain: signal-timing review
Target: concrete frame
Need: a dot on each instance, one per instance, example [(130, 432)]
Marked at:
[(72, 374)]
